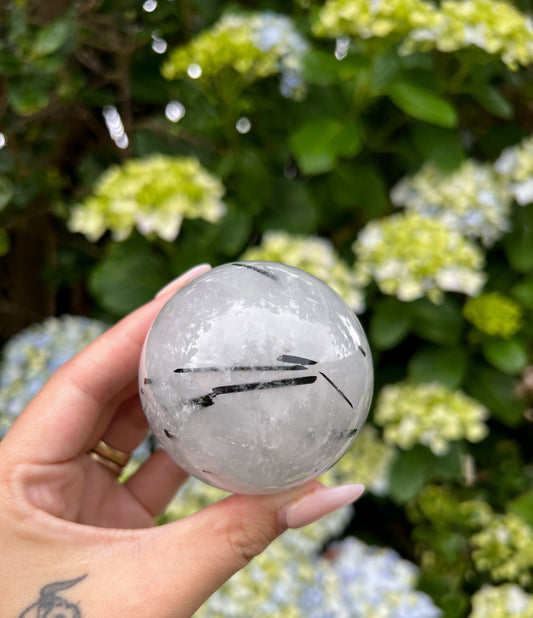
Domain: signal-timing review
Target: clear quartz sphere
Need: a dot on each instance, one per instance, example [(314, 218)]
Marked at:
[(256, 377)]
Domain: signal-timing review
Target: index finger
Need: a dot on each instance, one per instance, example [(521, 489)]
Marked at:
[(58, 422)]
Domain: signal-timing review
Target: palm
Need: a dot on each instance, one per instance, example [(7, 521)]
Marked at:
[(85, 492), (108, 503)]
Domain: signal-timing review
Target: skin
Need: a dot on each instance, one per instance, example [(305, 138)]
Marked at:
[(75, 542)]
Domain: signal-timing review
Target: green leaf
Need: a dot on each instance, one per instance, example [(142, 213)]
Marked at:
[(408, 474), (442, 324), (412, 469), (523, 506), (319, 143), (4, 242), (444, 365), (364, 187), (290, 207), (440, 146), (510, 356), (51, 38), (352, 66), (320, 68), (446, 467), (389, 324), (6, 191), (28, 96), (128, 277), (232, 232), (9, 65), (385, 68), (422, 103), (518, 244), (146, 84), (523, 293), (492, 100), (323, 68), (496, 391)]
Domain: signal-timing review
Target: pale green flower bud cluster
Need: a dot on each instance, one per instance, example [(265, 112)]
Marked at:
[(505, 601), (253, 45), (382, 18), (30, 358), (494, 26), (494, 314), (315, 255), (472, 200), (411, 256), (153, 194), (429, 414), (504, 548), (515, 165), (368, 461), (445, 510)]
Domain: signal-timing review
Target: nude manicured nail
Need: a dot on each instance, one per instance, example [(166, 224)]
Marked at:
[(187, 276), (321, 502)]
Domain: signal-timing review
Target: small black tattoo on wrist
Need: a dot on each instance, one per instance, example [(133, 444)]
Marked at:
[(51, 605)]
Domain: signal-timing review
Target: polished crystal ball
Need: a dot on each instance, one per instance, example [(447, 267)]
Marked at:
[(256, 377)]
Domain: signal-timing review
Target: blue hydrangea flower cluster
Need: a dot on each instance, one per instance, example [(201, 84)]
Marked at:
[(376, 582), (294, 578), (352, 580), (31, 357)]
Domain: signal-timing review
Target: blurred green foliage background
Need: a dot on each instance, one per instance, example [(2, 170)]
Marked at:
[(385, 146)]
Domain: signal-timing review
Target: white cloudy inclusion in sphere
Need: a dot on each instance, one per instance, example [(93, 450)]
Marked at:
[(256, 377)]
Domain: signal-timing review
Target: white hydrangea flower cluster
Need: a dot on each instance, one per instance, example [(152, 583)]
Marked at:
[(153, 194), (368, 461), (254, 45), (505, 601), (411, 256), (515, 166), (381, 18), (472, 200), (494, 26), (315, 255), (33, 355), (429, 414), (504, 548)]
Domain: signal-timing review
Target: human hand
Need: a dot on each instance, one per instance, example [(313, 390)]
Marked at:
[(76, 542)]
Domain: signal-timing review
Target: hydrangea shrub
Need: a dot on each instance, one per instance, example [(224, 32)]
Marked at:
[(385, 147)]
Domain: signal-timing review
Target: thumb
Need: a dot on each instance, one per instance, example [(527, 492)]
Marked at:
[(190, 559)]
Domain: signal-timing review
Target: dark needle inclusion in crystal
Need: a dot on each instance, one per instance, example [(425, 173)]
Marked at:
[(207, 400), (261, 271), (298, 364)]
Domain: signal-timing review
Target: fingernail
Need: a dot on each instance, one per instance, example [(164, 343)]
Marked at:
[(319, 503), (187, 276)]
